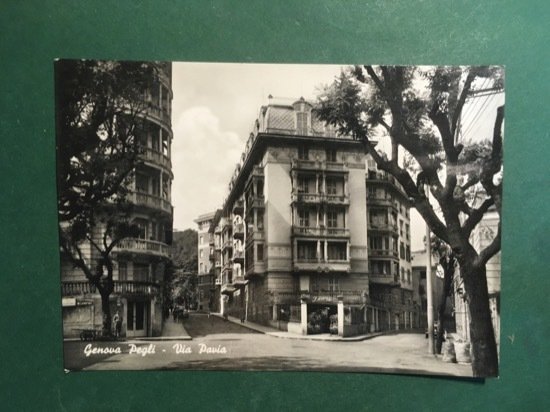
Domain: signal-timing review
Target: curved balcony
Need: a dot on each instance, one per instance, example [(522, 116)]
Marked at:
[(307, 197), (160, 115), (142, 246), (151, 201), (156, 158), (121, 287)]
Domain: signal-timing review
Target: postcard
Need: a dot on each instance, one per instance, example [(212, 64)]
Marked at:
[(280, 217)]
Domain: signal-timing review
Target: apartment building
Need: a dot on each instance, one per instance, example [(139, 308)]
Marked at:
[(205, 253), (139, 263), (292, 241)]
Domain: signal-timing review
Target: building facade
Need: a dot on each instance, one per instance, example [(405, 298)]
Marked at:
[(292, 243), (390, 269), (139, 263), (205, 253)]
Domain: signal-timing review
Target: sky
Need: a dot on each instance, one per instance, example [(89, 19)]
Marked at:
[(213, 111)]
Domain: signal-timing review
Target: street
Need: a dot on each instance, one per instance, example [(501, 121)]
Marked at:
[(222, 345)]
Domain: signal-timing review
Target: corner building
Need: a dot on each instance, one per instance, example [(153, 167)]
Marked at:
[(291, 240), (139, 263)]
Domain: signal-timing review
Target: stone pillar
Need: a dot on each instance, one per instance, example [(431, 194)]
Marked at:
[(275, 312), (374, 322), (340, 316), (303, 316)]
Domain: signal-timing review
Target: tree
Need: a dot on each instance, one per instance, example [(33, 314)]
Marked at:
[(100, 112), (185, 250), (419, 110)]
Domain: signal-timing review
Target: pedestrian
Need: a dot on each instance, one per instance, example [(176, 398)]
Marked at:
[(117, 321)]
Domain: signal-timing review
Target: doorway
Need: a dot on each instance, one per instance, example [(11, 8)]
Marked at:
[(137, 319)]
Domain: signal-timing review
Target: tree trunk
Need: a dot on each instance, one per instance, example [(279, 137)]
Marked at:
[(448, 271), (482, 335), (106, 309)]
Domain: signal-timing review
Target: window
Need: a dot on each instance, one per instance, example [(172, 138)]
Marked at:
[(303, 216), (332, 218), (141, 272), (201, 254), (122, 271), (307, 250), (303, 185), (409, 275), (201, 241), (333, 284), (301, 123), (331, 186), (331, 155), (402, 274), (408, 253), (372, 192), (375, 242), (142, 183), (401, 227), (407, 230), (201, 266), (401, 250), (337, 251), (260, 220), (260, 252), (142, 227), (303, 153)]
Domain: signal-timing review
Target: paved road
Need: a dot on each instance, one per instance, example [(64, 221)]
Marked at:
[(225, 346), (201, 325)]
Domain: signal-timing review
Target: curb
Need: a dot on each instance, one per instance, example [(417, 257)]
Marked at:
[(283, 335)]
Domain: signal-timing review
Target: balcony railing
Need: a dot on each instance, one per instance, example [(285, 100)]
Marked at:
[(160, 114), (149, 200), (121, 287), (157, 158), (238, 230), (319, 265), (135, 245), (383, 252), (306, 164), (238, 207), (238, 255), (384, 279), (320, 231), (73, 288), (127, 287), (337, 199), (386, 227)]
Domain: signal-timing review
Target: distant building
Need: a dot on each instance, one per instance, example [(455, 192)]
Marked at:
[(420, 290), (297, 244), (139, 263), (205, 253)]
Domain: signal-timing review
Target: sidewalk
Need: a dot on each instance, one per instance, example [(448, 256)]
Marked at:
[(268, 330), (170, 331)]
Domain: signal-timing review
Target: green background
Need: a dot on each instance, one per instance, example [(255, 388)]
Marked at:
[(33, 33)]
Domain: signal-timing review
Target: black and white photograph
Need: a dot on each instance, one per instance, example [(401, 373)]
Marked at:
[(280, 217)]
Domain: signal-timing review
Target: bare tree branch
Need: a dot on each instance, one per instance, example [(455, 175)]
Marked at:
[(489, 251), (476, 215)]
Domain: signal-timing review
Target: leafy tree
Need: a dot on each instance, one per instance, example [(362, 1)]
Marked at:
[(184, 245), (419, 110), (100, 111)]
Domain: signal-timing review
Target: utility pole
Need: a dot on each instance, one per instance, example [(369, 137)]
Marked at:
[(429, 285)]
